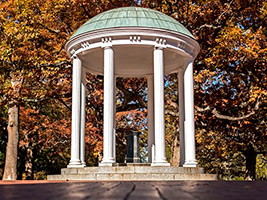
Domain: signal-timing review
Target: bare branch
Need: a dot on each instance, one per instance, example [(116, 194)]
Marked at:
[(229, 6), (203, 109), (171, 103), (217, 20), (129, 96), (65, 62), (172, 113), (63, 102), (45, 99), (128, 107), (209, 26), (220, 116), (49, 29), (35, 100)]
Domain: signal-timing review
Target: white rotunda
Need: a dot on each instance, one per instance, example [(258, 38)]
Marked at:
[(134, 42)]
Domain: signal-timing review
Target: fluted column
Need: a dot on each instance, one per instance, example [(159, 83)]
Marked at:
[(150, 116), (181, 116), (159, 117), (189, 125), (108, 157), (83, 118), (75, 118)]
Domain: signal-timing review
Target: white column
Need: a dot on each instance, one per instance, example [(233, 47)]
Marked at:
[(181, 115), (83, 118), (108, 148), (150, 116), (75, 118), (189, 125), (160, 158), (114, 125)]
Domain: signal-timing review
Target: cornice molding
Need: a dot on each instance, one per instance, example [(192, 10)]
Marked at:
[(133, 36)]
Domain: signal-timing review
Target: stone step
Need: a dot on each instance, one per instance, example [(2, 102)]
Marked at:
[(133, 170), (134, 177)]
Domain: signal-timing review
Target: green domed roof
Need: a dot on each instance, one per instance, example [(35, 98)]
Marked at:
[(132, 17)]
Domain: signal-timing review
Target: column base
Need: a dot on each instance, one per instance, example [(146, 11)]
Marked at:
[(160, 164), (190, 164), (107, 162), (75, 164)]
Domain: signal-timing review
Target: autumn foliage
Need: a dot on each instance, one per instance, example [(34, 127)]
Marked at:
[(230, 86)]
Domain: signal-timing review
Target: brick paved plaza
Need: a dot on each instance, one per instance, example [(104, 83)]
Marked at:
[(217, 190)]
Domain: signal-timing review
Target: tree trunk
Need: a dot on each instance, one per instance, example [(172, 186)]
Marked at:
[(29, 163), (250, 163), (10, 172), (175, 159)]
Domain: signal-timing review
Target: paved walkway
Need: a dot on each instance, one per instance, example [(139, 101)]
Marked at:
[(206, 190)]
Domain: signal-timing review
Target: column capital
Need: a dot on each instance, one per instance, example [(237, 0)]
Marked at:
[(159, 47), (106, 42), (107, 46), (160, 43)]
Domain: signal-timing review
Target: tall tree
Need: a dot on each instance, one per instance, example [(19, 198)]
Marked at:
[(230, 81), (22, 35)]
